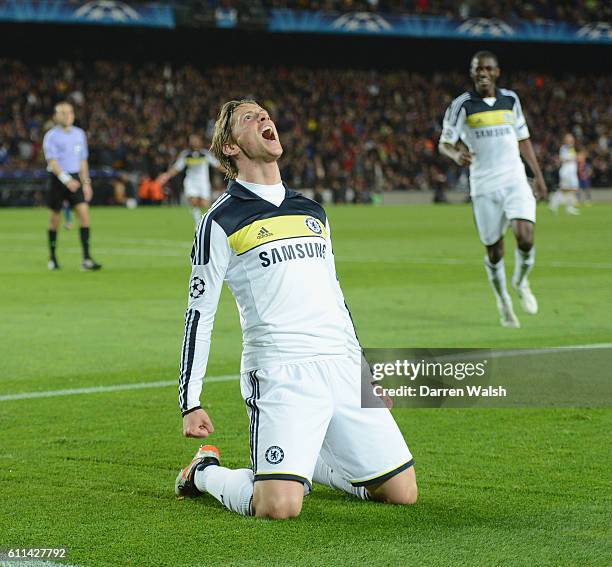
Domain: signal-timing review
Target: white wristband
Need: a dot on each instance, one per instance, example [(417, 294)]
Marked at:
[(64, 177)]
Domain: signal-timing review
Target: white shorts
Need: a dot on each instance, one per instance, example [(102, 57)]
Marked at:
[(198, 190), (494, 211), (300, 411), (568, 180)]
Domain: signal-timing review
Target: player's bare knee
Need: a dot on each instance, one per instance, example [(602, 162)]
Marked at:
[(400, 489), (405, 494), (495, 253), (409, 495), (524, 242), (82, 211), (54, 220), (278, 499), (523, 232), (279, 508)]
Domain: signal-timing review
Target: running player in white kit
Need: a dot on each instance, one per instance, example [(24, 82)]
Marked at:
[(567, 193), (196, 161), (490, 122)]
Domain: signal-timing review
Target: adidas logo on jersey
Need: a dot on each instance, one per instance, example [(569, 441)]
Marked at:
[(263, 233)]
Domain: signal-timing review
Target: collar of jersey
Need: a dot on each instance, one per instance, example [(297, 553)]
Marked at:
[(474, 94), (237, 190)]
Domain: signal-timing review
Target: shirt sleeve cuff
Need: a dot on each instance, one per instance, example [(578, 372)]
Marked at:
[(186, 412)]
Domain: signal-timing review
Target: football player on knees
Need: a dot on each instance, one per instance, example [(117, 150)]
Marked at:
[(302, 388)]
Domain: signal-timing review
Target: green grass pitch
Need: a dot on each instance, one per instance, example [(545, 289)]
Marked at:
[(95, 472)]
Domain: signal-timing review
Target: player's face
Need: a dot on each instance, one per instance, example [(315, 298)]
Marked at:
[(195, 142), (255, 133), (484, 72), (569, 140)]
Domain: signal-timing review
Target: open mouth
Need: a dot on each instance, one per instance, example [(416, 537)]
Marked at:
[(268, 134)]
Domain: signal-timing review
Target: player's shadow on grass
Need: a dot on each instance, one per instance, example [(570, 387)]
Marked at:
[(344, 509)]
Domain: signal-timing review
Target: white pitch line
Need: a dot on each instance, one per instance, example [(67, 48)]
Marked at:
[(525, 351), (231, 377), (182, 249), (35, 563), (113, 388), (511, 353), (184, 253), (151, 241), (462, 262), (149, 252), (146, 252)]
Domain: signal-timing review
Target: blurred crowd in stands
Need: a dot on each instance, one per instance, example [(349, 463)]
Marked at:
[(574, 11), (366, 131)]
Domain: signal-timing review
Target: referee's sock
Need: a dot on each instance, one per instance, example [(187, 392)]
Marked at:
[(324, 474), (52, 243), (232, 487), (85, 242)]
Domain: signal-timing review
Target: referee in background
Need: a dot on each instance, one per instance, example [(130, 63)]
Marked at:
[(65, 148)]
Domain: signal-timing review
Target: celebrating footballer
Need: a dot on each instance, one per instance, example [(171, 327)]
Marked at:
[(490, 122), (301, 361)]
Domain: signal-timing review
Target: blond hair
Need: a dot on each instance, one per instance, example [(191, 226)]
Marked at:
[(223, 135)]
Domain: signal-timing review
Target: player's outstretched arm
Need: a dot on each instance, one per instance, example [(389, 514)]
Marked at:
[(215, 162), (528, 153), (178, 166), (163, 178)]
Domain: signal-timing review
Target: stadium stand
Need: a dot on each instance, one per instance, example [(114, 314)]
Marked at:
[(580, 11), (357, 129)]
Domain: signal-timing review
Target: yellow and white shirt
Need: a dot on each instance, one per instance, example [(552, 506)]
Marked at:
[(278, 262), (569, 161), (197, 164), (491, 129)]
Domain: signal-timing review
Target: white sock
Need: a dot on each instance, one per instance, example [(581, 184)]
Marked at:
[(196, 213), (571, 202), (556, 199), (523, 264), (324, 474), (497, 277), (233, 488)]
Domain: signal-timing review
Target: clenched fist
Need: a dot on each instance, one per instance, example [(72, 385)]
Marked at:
[(197, 424)]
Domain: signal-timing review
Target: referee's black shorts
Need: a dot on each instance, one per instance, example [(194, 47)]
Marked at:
[(58, 193)]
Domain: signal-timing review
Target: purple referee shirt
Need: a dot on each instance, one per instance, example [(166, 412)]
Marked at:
[(67, 148)]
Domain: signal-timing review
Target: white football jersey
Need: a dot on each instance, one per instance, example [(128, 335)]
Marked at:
[(491, 132), (569, 162), (197, 164), (279, 265)]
